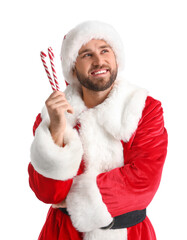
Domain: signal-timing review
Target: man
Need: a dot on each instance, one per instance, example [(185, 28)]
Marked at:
[(99, 148)]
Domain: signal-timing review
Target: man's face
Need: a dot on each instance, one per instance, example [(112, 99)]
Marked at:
[(96, 67)]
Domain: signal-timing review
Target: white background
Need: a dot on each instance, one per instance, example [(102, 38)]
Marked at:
[(155, 40)]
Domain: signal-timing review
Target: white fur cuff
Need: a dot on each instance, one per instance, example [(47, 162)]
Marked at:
[(52, 161), (85, 205)]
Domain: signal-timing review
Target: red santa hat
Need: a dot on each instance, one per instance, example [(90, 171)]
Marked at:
[(82, 34)]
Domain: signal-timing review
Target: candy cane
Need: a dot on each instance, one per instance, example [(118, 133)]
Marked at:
[(43, 56), (51, 57)]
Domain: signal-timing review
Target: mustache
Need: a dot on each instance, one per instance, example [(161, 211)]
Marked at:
[(99, 67)]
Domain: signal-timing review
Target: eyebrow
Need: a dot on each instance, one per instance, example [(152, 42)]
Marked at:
[(90, 50), (84, 51)]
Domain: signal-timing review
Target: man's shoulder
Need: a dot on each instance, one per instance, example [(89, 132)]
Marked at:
[(152, 101), (152, 105)]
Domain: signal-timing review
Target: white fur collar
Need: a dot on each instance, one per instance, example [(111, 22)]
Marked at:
[(105, 125), (119, 114)]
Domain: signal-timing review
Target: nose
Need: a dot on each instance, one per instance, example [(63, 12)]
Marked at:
[(97, 60)]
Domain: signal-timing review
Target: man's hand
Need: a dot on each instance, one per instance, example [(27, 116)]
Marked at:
[(60, 205), (57, 105)]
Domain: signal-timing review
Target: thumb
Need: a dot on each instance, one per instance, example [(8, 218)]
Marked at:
[(70, 109)]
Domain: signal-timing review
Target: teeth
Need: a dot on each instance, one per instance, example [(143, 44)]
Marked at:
[(100, 72)]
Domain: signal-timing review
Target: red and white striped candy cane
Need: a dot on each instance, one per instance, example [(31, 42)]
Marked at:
[(51, 57), (43, 56)]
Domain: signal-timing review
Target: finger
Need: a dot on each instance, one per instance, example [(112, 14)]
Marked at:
[(64, 103), (70, 109), (59, 205), (56, 93), (55, 206), (52, 101), (61, 106), (57, 99)]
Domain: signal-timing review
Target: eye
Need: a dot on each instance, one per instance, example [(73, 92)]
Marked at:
[(87, 55), (104, 51)]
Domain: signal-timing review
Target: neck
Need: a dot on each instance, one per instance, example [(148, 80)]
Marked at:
[(93, 98)]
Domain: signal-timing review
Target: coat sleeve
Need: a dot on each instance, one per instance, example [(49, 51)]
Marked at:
[(101, 197), (51, 169), (133, 186)]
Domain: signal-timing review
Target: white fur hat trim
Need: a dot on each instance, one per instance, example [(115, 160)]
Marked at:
[(82, 34)]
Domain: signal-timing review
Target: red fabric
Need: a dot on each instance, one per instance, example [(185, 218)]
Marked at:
[(66, 83), (124, 189), (141, 231), (58, 226), (37, 123), (133, 186), (48, 190)]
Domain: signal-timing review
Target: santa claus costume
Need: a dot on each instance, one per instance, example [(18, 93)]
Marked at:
[(110, 167)]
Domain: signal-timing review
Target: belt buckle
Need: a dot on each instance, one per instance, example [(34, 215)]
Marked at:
[(109, 226)]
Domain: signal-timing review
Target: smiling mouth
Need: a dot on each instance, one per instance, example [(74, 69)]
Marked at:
[(100, 72)]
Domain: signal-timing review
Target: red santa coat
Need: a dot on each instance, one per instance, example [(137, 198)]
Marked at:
[(111, 166)]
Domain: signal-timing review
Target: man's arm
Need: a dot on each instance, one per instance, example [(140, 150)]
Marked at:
[(57, 105), (45, 189), (53, 166), (130, 187), (133, 186)]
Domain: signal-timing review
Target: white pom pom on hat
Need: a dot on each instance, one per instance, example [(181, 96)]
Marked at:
[(82, 34)]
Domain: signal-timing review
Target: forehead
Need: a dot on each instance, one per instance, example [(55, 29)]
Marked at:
[(94, 44)]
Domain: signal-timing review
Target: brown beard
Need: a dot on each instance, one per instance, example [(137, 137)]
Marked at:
[(97, 86)]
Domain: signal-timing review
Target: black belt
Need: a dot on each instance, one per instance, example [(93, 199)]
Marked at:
[(122, 221)]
